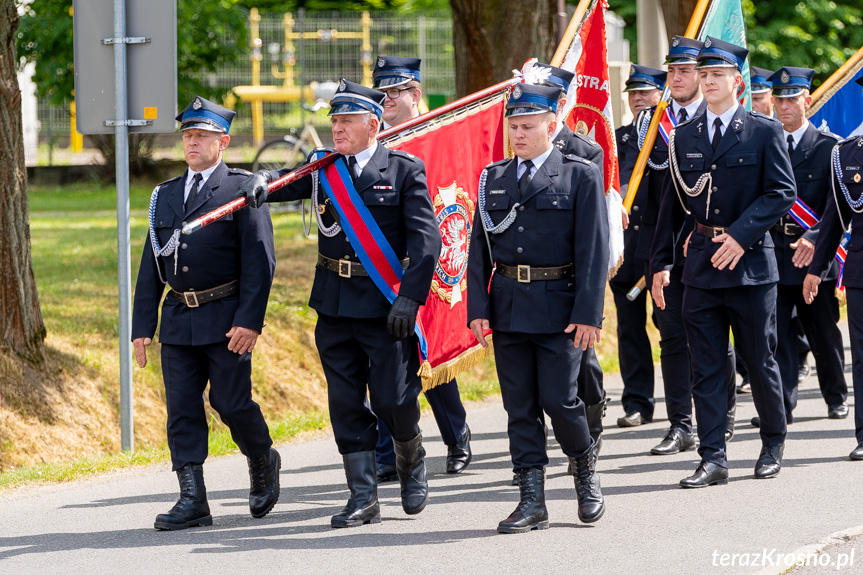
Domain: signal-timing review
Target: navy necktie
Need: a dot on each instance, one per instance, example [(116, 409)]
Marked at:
[(790, 140), (717, 133), (352, 164), (193, 193), (524, 181), (682, 116)]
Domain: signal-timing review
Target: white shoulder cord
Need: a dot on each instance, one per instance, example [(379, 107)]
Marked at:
[(171, 247), (704, 180)]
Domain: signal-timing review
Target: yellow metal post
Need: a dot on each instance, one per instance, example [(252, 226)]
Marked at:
[(76, 140), (257, 105)]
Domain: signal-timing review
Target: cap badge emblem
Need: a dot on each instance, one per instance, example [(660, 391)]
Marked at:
[(785, 77), (197, 104), (675, 43), (708, 43), (342, 86), (381, 62), (632, 71), (516, 92)]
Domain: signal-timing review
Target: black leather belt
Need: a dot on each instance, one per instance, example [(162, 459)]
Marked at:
[(196, 298), (527, 274), (709, 231), (347, 268), (788, 228)]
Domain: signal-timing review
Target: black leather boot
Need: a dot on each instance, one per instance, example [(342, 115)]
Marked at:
[(459, 455), (264, 483), (591, 504), (192, 508), (411, 467), (363, 505), (530, 513), (595, 413)]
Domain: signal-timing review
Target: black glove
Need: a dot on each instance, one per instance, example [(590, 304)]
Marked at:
[(403, 316), (254, 189)]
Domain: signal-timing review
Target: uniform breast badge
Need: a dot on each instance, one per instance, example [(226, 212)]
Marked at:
[(454, 216)]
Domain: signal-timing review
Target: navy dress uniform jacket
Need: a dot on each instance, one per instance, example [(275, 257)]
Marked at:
[(393, 188), (753, 186), (810, 161), (237, 247), (569, 142), (566, 222), (627, 152)]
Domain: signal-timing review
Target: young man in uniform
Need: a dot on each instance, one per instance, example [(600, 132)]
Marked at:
[(730, 170), (219, 280), (541, 224)]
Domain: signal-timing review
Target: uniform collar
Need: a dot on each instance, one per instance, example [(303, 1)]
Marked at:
[(798, 133), (205, 175), (539, 160), (726, 116), (366, 155), (690, 108)]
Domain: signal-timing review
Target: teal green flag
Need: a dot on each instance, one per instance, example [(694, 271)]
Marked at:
[(725, 21)]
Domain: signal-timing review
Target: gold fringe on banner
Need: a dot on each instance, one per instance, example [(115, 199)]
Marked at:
[(432, 377), (840, 295), (613, 271)]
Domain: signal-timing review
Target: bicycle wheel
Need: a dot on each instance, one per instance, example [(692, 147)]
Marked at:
[(287, 153)]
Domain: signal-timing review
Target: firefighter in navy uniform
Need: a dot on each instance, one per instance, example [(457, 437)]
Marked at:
[(730, 170), (367, 344), (810, 150), (211, 316), (844, 209), (590, 389), (643, 87), (399, 79), (542, 226)]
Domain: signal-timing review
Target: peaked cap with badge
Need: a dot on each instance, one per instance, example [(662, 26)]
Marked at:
[(683, 50), (759, 79), (645, 78), (392, 71), (721, 54), (353, 98), (203, 114), (789, 82), (526, 99)]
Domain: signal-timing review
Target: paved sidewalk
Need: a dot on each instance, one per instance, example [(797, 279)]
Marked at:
[(104, 525)]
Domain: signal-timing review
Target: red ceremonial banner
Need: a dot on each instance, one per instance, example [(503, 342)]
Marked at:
[(455, 152)]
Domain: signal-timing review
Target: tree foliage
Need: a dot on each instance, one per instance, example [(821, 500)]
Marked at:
[(345, 5), (45, 37)]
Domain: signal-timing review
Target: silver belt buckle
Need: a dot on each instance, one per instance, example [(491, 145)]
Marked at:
[(524, 274), (194, 300), (344, 268), (788, 231)]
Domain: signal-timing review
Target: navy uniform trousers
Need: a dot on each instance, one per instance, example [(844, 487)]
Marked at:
[(194, 348), (752, 187)]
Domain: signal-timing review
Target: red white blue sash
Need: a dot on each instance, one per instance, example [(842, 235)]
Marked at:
[(803, 214), (372, 248), (667, 123), (841, 253)]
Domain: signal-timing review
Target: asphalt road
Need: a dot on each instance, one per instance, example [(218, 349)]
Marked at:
[(104, 524)]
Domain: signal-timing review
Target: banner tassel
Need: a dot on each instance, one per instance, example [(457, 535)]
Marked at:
[(445, 372)]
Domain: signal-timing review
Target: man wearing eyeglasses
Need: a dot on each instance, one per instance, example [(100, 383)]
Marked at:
[(399, 79)]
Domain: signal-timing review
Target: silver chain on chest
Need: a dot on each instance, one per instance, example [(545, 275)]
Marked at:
[(856, 205), (170, 249), (705, 180), (487, 222), (643, 126)]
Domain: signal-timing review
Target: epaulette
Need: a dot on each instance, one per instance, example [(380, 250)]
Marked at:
[(577, 159), (500, 162), (171, 180), (850, 139), (829, 134), (239, 172), (404, 154), (590, 141), (761, 116)]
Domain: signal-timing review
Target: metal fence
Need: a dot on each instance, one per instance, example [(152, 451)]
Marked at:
[(428, 37)]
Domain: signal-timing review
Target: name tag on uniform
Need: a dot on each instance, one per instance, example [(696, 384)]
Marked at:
[(693, 156), (852, 168), (382, 187), (496, 192)]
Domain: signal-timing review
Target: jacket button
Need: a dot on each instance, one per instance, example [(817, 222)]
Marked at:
[(759, 242), (348, 240), (380, 199), (521, 208), (518, 250), (713, 166), (635, 228), (185, 268), (521, 228), (810, 176), (634, 208), (554, 203), (740, 161), (347, 257), (715, 189), (716, 211), (184, 246)]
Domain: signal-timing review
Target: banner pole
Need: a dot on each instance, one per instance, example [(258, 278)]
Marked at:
[(571, 31)]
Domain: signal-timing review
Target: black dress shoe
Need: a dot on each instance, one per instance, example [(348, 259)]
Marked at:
[(459, 455), (837, 411), (769, 462), (857, 454), (706, 474), (744, 387), (631, 419), (803, 373), (676, 440), (264, 478), (530, 513), (192, 508), (387, 472)]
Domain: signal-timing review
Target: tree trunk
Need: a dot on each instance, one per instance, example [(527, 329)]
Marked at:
[(21, 326), (493, 37), (677, 14)]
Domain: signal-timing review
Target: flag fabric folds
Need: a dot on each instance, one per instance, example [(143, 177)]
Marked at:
[(840, 110), (588, 112), (455, 150), (725, 22)]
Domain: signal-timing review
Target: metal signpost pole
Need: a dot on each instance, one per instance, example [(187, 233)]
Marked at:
[(121, 151)]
